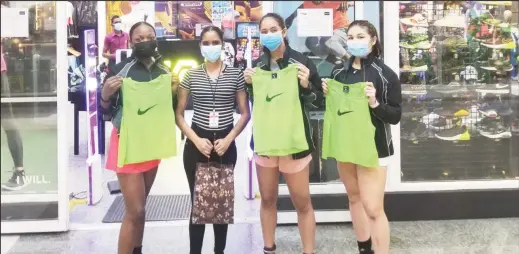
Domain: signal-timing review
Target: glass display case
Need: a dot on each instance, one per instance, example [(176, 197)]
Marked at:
[(459, 112), (34, 107)]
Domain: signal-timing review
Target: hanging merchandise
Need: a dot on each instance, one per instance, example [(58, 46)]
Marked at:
[(86, 12), (72, 30), (349, 134), (148, 124), (277, 116)]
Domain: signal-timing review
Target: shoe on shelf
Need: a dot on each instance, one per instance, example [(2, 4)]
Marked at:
[(456, 133), (493, 128), (416, 20), (412, 130), (495, 110), (499, 43), (16, 182)]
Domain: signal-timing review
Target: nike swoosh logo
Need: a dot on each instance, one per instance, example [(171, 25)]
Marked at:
[(270, 98), (342, 113), (142, 112)]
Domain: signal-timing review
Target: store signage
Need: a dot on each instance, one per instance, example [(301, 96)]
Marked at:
[(314, 22), (95, 174)]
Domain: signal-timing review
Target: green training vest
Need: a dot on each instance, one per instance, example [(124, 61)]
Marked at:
[(148, 130), (278, 126), (349, 135)]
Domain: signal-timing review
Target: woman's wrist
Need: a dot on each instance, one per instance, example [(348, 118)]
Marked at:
[(374, 105)]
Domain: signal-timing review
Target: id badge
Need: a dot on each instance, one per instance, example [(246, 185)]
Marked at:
[(214, 118)]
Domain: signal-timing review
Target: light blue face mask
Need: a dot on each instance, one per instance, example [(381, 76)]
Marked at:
[(272, 41), (358, 48), (212, 53)]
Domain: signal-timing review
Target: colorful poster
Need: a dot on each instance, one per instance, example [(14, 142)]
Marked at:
[(166, 19), (130, 12), (223, 16), (242, 43), (192, 13), (249, 10)]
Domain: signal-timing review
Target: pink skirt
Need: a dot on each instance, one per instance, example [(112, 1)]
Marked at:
[(111, 159)]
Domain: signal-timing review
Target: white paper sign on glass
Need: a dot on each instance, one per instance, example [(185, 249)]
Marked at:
[(15, 22), (314, 22)]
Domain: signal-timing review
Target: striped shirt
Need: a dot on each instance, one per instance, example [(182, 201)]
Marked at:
[(218, 95)]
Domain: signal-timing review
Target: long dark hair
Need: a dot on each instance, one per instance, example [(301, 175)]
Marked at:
[(281, 23), (372, 31)]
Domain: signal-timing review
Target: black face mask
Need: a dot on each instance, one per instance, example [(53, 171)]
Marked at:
[(145, 49)]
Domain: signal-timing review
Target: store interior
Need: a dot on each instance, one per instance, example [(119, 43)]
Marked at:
[(457, 62)]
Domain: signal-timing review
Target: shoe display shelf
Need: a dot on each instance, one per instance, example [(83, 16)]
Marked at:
[(456, 88)]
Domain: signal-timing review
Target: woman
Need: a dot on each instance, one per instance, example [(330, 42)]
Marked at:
[(215, 90), (278, 55), (135, 179), (365, 186)]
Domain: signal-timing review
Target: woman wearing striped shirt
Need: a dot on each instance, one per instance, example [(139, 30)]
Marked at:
[(215, 89)]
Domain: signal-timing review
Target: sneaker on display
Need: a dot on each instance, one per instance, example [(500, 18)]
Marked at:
[(494, 110), (493, 128), (412, 130), (416, 20), (16, 182), (456, 133)]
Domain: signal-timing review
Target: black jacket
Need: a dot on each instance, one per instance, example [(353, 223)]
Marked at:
[(307, 96), (389, 96)]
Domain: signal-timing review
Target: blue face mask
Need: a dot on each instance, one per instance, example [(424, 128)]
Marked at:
[(358, 48), (212, 53), (271, 40)]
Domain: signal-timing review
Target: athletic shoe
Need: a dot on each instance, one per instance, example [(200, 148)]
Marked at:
[(454, 134), (412, 130), (451, 111), (470, 73), (492, 128), (499, 43), (494, 110), (441, 123), (451, 88), (16, 182), (416, 20)]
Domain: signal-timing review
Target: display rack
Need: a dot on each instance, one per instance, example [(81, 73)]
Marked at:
[(456, 86)]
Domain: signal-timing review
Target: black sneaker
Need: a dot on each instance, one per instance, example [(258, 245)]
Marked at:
[(16, 182), (412, 130), (493, 128)]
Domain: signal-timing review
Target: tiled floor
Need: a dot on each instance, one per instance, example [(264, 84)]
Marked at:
[(497, 236)]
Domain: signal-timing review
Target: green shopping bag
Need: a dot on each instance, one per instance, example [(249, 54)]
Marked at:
[(349, 135), (148, 130), (278, 126)]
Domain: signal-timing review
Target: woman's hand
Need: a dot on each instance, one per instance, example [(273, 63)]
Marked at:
[(221, 145), (204, 146), (247, 74), (324, 85), (111, 86), (303, 74), (371, 93)]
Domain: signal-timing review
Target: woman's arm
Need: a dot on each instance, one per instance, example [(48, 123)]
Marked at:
[(390, 112), (243, 106), (182, 96)]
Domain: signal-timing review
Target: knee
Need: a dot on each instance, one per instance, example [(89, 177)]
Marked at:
[(269, 201), (354, 198), (373, 211), (303, 205), (136, 213)]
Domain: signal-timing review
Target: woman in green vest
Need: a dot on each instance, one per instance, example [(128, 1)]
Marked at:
[(365, 183), (275, 75), (135, 179)]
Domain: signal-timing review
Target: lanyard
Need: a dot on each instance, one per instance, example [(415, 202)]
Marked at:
[(213, 91)]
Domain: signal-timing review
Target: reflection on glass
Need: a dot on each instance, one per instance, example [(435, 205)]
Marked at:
[(29, 120), (459, 105)]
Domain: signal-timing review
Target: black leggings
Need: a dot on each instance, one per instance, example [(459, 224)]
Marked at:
[(191, 157), (14, 140)]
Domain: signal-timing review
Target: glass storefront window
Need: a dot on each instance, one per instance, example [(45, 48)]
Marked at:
[(458, 73), (29, 115)]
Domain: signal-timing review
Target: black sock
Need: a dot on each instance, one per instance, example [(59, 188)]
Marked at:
[(137, 250), (269, 249), (365, 247)]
